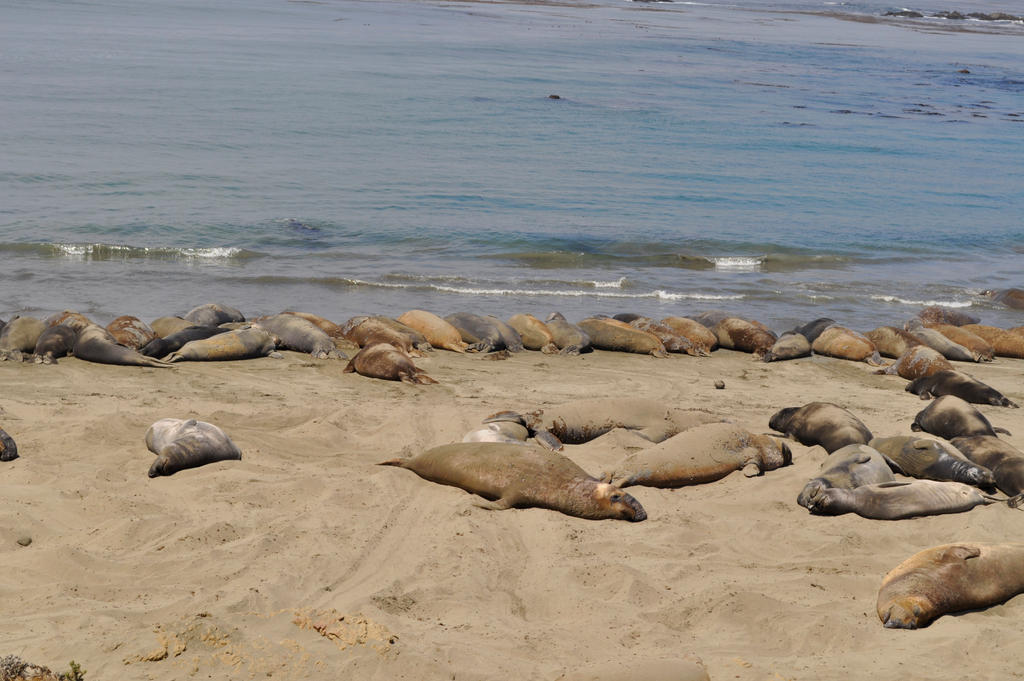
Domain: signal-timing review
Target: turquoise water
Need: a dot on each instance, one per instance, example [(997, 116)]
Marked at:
[(782, 160)]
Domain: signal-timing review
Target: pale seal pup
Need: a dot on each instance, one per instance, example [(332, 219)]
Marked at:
[(1003, 342), (937, 341), (843, 343), (611, 334), (180, 444), (892, 341), (744, 335), (300, 335), (95, 344), (570, 339), (55, 342), (438, 332), (938, 314), (534, 333), (8, 449), (920, 457), (161, 347), (951, 382), (702, 454), (498, 431), (847, 468), (514, 476), (821, 423), (947, 579), (972, 341), (213, 314), (237, 344), (1010, 297), (131, 332), (899, 499), (383, 360), (949, 417), (701, 337), (480, 333), (917, 361), (789, 346), (1004, 460)]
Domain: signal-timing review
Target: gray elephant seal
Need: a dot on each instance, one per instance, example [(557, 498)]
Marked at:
[(1004, 460), (977, 345), (699, 455), (300, 335), (949, 417), (20, 336), (570, 339), (247, 343), (937, 341), (947, 579), (1010, 297), (55, 342), (180, 444), (8, 449), (480, 333), (811, 330), (920, 457), (383, 360), (611, 334), (213, 314), (821, 423), (848, 467), (514, 476), (161, 347), (509, 336), (951, 382), (898, 500), (95, 344), (789, 346)]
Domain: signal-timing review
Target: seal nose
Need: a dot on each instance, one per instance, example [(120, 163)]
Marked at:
[(638, 511)]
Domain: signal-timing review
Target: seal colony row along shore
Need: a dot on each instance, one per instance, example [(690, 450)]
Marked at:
[(422, 550)]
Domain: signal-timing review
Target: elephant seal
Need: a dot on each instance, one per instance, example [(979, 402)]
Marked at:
[(55, 342), (514, 476), (213, 314), (918, 361), (821, 423), (937, 341), (20, 336), (746, 336), (704, 453), (247, 343), (938, 314), (610, 334), (1010, 297), (974, 343), (300, 335), (383, 360), (165, 326), (570, 339), (1004, 460), (161, 347), (701, 337), (811, 330), (951, 382), (480, 333), (1003, 342), (8, 449), (641, 668), (534, 333), (847, 468), (950, 417), (892, 341), (581, 421), (70, 318), (843, 343), (710, 318), (363, 331), (947, 579), (95, 344), (438, 332), (672, 341), (898, 499), (509, 336), (929, 459), (498, 431), (131, 332), (180, 444), (789, 346)]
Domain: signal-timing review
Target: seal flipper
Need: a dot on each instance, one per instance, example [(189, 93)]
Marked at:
[(502, 504), (1004, 431), (548, 440), (752, 470)]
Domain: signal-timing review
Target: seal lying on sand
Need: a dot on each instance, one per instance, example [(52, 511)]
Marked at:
[(972, 341), (300, 335), (213, 314), (821, 423), (20, 336), (847, 468), (937, 341), (363, 331), (673, 342), (514, 476), (161, 347), (131, 332), (892, 341), (951, 382), (499, 431), (438, 332), (1004, 460), (701, 337), (1004, 343), (811, 330), (789, 346), (570, 339), (920, 457), (843, 343), (383, 360), (534, 333), (746, 336), (95, 344), (245, 343), (949, 417), (180, 444), (55, 342), (480, 333), (938, 314), (701, 454), (8, 449), (898, 499), (917, 361), (611, 334), (947, 579)]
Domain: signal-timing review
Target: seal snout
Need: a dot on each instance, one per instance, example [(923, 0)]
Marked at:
[(632, 510)]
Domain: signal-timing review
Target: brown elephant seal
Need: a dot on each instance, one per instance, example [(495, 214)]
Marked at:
[(951, 382), (514, 476), (180, 444), (821, 423), (1010, 297), (165, 326), (929, 459), (20, 335), (213, 314), (95, 344), (610, 334), (843, 343), (746, 336), (811, 330), (364, 330), (892, 341), (918, 361), (438, 332), (937, 341), (570, 339), (898, 499), (480, 333), (847, 468), (702, 454), (300, 335), (8, 449), (55, 342), (701, 337), (161, 347), (950, 417), (247, 343), (974, 343), (939, 314), (534, 333), (1004, 460), (672, 341), (948, 579), (1004, 343), (498, 431), (789, 346), (583, 420), (383, 360), (641, 669), (131, 332), (70, 318)]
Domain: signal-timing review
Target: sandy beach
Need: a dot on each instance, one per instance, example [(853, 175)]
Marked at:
[(305, 560)]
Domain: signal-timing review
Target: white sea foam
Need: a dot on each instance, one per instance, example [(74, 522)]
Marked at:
[(619, 283), (100, 250), (739, 263), (571, 293), (925, 303)]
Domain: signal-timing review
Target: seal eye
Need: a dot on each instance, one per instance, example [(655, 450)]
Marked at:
[(616, 496)]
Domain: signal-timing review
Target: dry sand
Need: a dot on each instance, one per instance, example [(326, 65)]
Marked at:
[(305, 560)]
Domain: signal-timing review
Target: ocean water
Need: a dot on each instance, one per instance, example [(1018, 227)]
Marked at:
[(782, 160)]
